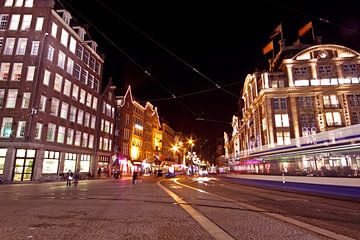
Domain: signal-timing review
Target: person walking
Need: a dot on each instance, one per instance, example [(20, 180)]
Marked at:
[(134, 177), (69, 178), (76, 177)]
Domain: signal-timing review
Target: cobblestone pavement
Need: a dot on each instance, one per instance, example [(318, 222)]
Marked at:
[(95, 209)]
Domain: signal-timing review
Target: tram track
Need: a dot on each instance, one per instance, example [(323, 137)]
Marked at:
[(244, 205)]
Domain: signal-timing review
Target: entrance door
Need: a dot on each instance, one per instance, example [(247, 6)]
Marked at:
[(24, 164)]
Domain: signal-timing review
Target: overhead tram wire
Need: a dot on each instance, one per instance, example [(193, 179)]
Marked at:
[(131, 59), (167, 50), (194, 93)]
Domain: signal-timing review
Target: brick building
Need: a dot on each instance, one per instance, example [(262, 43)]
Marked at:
[(50, 79)]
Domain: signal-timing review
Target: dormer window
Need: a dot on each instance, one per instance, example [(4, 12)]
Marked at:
[(66, 16), (81, 32), (92, 44)]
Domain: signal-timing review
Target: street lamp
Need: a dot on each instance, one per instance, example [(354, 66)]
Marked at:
[(175, 148), (191, 144)]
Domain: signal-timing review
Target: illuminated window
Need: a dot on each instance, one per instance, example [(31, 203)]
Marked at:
[(50, 54), (82, 96), (77, 138), (331, 101), (85, 163), (29, 3), (51, 162), (26, 22), (14, 23), (2, 94), (84, 142), (67, 87), (38, 131), (9, 46), (80, 117), (11, 98), (8, 3), (70, 162), (61, 134), (64, 110), (93, 121), (30, 73), (46, 79), (91, 141), (281, 120), (6, 127), (70, 136), (54, 29), (333, 119), (54, 109), (21, 46), (64, 37), (283, 138), (16, 72), (70, 66), (2, 159), (35, 48), (58, 82), (39, 23), (61, 60), (26, 100), (75, 92), (20, 133), (51, 132), (72, 46), (4, 71), (72, 117)]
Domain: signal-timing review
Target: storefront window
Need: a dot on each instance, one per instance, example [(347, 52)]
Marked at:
[(85, 163), (2, 159), (70, 162), (51, 162)]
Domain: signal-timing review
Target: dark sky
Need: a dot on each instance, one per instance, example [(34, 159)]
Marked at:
[(222, 39)]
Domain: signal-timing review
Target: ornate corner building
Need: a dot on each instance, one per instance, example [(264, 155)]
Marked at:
[(307, 102)]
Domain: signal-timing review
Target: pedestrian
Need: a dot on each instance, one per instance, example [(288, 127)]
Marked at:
[(76, 177), (69, 178), (99, 171), (134, 177)]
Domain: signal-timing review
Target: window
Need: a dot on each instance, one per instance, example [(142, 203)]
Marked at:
[(19, 3), (51, 162), (93, 121), (79, 51), (30, 73), (1, 43), (69, 162), (126, 134), (70, 136), (58, 82), (354, 118), (98, 67), (326, 71), (85, 163), (80, 117), (4, 71), (64, 110), (61, 60), (2, 94), (86, 58), (14, 23), (94, 104), (39, 23), (72, 46), (77, 138), (333, 119), (281, 120), (64, 37), (54, 109), (67, 88), (51, 132), (279, 103), (26, 22), (283, 138), (84, 76), (54, 29), (77, 71), (96, 85), (11, 98), (42, 104), (35, 48), (85, 139), (46, 79), (70, 66), (88, 100), (91, 141), (4, 21), (26, 100), (21, 46), (82, 96), (91, 81), (9, 46), (87, 120), (331, 101), (61, 134), (16, 72), (92, 63), (29, 3), (20, 133), (349, 69), (50, 54), (8, 3), (75, 92), (72, 114), (6, 127), (38, 131)]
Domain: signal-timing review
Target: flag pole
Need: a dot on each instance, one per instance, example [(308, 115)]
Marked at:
[(312, 31), (281, 32)]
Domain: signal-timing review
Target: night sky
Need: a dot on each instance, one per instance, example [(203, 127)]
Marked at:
[(222, 40)]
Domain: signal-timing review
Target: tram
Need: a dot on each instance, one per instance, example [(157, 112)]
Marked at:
[(333, 153)]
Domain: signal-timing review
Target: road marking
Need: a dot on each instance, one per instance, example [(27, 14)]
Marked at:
[(303, 225), (209, 226)]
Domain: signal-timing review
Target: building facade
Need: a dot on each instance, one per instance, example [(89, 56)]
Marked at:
[(50, 79), (309, 91)]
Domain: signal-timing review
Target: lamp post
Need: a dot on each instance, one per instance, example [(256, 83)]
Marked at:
[(191, 144)]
